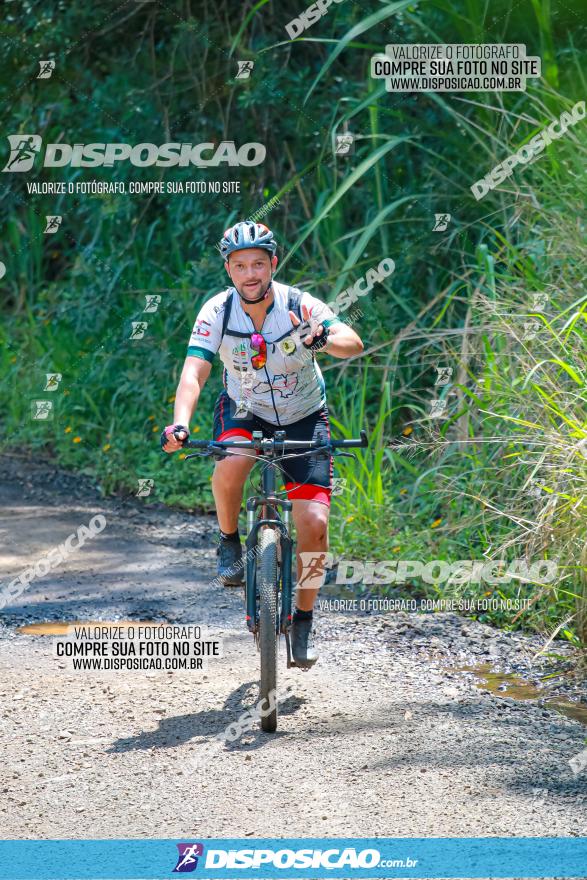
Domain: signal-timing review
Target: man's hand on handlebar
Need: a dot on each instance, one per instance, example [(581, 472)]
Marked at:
[(172, 437)]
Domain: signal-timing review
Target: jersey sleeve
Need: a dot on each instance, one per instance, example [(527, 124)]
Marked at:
[(319, 311), (206, 334)]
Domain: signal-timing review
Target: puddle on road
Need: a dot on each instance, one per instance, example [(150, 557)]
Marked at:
[(60, 627), (508, 684)]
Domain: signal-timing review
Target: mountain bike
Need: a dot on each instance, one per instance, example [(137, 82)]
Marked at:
[(268, 559)]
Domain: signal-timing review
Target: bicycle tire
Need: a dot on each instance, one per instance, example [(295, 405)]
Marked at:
[(268, 610)]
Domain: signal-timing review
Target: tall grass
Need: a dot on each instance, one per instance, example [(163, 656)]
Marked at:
[(510, 455)]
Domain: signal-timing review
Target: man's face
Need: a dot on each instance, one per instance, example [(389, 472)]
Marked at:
[(250, 271)]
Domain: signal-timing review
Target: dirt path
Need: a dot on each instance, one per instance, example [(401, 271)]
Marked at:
[(383, 737)]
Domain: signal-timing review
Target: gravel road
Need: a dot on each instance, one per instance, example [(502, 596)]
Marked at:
[(387, 735)]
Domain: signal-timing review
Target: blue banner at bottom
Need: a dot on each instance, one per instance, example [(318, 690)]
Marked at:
[(388, 857)]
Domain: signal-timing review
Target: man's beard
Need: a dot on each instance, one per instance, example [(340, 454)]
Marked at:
[(258, 294)]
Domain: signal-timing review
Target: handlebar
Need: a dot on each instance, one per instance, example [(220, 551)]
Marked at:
[(276, 444)]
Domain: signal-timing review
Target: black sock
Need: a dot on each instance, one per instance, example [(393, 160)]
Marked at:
[(302, 615), (230, 536)]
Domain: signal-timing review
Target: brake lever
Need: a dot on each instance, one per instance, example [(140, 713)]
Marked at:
[(210, 451), (345, 455)]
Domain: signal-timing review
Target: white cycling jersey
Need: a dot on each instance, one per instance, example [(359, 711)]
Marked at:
[(290, 386)]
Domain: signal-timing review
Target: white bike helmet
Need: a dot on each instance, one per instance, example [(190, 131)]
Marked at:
[(247, 234)]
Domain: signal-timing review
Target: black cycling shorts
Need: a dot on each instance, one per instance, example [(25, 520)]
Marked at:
[(308, 478)]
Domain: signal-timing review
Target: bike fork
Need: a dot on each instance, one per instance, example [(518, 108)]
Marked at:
[(286, 582), (285, 545)]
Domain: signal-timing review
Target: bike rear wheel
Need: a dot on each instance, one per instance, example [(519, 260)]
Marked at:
[(268, 616)]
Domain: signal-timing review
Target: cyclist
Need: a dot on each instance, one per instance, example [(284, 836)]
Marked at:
[(267, 335)]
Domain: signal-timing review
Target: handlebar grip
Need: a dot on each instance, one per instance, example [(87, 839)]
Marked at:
[(196, 444), (351, 444)]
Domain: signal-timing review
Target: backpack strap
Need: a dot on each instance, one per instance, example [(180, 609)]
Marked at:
[(294, 304), (225, 319), (294, 299), (226, 315)]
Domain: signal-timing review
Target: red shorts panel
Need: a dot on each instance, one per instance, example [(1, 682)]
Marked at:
[(235, 432), (308, 492)]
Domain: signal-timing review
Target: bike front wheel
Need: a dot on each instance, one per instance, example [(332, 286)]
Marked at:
[(268, 617)]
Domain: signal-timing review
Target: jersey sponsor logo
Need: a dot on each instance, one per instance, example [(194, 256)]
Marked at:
[(287, 346), (240, 357), (199, 329)]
